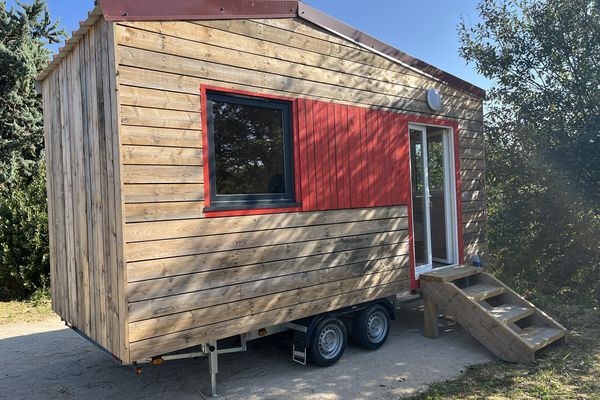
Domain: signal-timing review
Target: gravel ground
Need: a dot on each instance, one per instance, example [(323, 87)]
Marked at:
[(44, 360)]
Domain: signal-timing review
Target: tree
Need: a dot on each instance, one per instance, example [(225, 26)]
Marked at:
[(23, 222), (542, 139)]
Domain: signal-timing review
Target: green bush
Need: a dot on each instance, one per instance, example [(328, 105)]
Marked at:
[(24, 261)]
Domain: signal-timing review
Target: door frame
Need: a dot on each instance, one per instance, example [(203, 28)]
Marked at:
[(450, 197)]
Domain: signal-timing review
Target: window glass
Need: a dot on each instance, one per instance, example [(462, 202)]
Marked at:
[(248, 149)]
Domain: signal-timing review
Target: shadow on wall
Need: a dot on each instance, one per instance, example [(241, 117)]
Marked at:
[(59, 364)]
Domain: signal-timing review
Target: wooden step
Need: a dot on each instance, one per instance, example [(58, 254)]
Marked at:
[(537, 337), (449, 274), (509, 313), (480, 291)]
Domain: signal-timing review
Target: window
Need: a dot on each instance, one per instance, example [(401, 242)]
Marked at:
[(250, 152)]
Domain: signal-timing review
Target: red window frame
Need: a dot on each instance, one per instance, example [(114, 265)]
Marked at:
[(295, 151)]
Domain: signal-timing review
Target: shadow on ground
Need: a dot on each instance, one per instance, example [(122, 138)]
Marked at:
[(48, 361)]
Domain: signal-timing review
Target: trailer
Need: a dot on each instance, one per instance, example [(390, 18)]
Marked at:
[(227, 168)]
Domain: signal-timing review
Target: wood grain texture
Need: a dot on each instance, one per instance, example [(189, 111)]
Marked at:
[(257, 263), (84, 191), (193, 279)]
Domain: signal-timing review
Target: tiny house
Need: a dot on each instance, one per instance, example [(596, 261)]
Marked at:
[(218, 167)]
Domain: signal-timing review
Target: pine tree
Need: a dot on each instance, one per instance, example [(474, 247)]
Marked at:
[(24, 33)]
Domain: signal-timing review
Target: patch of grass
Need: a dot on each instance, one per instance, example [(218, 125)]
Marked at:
[(37, 308), (562, 371)]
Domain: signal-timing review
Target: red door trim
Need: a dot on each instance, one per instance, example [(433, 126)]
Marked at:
[(459, 227)]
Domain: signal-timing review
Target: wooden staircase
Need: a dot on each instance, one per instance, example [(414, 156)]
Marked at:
[(508, 325)]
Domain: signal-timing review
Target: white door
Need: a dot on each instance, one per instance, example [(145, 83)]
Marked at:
[(433, 197), (421, 199)]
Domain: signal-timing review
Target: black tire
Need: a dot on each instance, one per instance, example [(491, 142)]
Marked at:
[(328, 342), (371, 327)]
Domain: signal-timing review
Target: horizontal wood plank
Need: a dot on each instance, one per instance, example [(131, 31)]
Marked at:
[(163, 211), (206, 244), (152, 136), (151, 98), (190, 228), (198, 42), (206, 316), (162, 174), (170, 80), (195, 336), (156, 192), (156, 117), (152, 269), (152, 155), (257, 273), (170, 63)]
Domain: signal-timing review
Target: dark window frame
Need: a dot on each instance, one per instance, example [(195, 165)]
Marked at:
[(223, 202)]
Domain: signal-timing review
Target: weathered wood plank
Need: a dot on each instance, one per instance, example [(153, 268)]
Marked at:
[(473, 206), (163, 211), (473, 195), (469, 164), (79, 192), (156, 117), (300, 272), (470, 175), (151, 155), (197, 41), (100, 179), (162, 174), (89, 95), (172, 81), (120, 266), (150, 136), (187, 246), (310, 30), (190, 228), (199, 335), (473, 216), (49, 117), (65, 105), (328, 248), (206, 316), (470, 143), (262, 77), (155, 192), (472, 184), (151, 98), (471, 153)]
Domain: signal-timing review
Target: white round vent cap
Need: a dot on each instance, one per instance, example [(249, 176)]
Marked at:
[(434, 100)]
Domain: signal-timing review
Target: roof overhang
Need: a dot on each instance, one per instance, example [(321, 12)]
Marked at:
[(177, 10), (155, 10)]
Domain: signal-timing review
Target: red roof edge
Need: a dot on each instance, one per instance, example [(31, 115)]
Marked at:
[(326, 21), (166, 10)]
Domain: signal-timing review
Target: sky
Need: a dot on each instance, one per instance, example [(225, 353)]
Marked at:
[(425, 29)]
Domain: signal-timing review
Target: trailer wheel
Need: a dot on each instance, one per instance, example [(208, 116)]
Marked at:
[(371, 327), (328, 342)]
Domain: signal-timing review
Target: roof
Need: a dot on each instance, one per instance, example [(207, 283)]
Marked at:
[(172, 10)]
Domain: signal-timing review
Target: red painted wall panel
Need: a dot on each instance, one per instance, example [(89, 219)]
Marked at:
[(351, 157)]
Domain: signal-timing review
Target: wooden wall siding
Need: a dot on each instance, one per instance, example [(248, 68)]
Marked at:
[(163, 64), (351, 157), (192, 278), (84, 190), (191, 281)]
